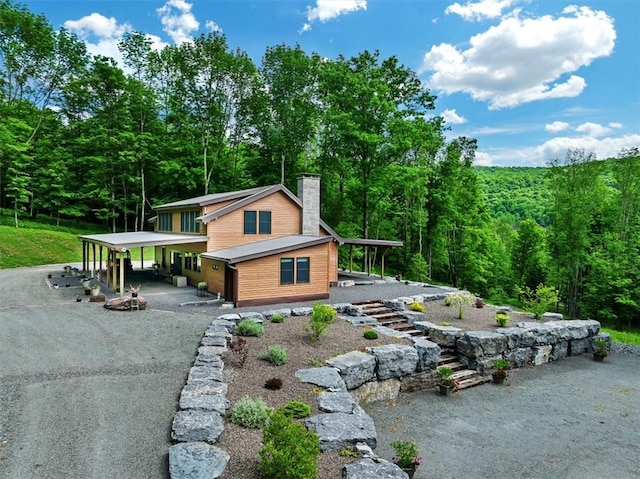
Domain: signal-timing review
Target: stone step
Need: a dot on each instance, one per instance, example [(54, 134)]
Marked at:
[(462, 374)]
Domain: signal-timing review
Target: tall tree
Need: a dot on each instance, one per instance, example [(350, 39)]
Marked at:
[(578, 196)]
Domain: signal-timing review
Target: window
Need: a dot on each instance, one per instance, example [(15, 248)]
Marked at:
[(265, 222), (302, 270), (250, 222), (286, 271), (188, 222), (165, 222)]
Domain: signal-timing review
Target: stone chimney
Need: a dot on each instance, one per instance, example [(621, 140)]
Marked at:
[(309, 194)]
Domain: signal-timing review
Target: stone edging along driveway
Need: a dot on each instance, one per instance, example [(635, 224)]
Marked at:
[(203, 401)]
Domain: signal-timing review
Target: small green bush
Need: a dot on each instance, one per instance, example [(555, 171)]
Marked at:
[(296, 410), (289, 451), (459, 299), (415, 306), (322, 317), (370, 334), (276, 354), (278, 318), (249, 327), (502, 318), (251, 413), (315, 363)]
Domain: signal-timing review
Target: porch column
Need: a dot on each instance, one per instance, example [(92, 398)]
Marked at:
[(121, 274)]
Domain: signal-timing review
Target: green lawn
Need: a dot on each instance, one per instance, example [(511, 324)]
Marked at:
[(623, 337), (32, 247)]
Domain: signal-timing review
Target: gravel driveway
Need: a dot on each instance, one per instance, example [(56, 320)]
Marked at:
[(90, 393)]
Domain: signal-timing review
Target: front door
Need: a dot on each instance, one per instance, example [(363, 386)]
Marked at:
[(229, 283)]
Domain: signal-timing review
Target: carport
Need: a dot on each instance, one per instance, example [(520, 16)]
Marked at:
[(122, 243), (381, 246)]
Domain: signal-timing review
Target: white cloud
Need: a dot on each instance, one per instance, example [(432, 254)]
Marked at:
[(592, 129), (452, 117), (523, 60), (212, 26), (326, 10), (480, 10), (541, 155), (615, 124), (556, 126), (178, 21), (100, 34)]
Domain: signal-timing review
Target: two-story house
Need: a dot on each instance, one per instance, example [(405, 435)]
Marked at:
[(258, 246)]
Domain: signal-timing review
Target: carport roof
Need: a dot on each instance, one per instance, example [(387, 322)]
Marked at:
[(140, 238)]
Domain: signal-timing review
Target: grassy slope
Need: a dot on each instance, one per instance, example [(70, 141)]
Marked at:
[(31, 247)]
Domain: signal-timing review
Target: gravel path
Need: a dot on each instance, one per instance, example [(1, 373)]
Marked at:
[(90, 393)]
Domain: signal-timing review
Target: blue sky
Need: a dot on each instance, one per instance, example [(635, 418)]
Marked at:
[(528, 78)]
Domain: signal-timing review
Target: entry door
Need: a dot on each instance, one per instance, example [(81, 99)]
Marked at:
[(176, 263), (229, 284)]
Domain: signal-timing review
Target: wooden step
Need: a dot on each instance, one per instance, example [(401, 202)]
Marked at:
[(387, 314), (373, 301), (473, 382), (462, 374)]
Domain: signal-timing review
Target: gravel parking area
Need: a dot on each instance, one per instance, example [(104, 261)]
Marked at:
[(91, 393)]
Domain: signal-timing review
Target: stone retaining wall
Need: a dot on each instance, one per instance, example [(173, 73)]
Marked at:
[(379, 373)]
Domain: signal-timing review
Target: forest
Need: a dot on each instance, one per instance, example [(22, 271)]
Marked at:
[(84, 138)]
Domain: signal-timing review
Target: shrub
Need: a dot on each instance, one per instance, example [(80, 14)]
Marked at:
[(502, 318), (251, 413), (370, 334), (276, 354), (249, 327), (238, 347), (540, 300), (459, 299), (323, 315), (273, 383), (418, 268), (415, 306), (296, 410), (289, 451), (278, 318)]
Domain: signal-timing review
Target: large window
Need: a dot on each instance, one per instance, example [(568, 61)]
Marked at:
[(302, 270), (257, 222), (294, 271), (250, 227), (265, 222), (165, 222), (188, 222)]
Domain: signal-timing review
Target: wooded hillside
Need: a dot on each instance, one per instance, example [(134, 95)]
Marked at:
[(81, 137)]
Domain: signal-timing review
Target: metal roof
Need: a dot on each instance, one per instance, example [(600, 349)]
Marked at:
[(141, 238), (260, 249), (371, 242), (211, 198)]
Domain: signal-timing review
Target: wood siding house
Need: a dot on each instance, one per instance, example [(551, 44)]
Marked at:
[(257, 246), (260, 246)]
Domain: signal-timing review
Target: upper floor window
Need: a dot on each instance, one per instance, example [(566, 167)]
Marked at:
[(188, 222), (250, 227), (165, 222), (257, 222), (265, 222)]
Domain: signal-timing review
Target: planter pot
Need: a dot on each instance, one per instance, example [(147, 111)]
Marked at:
[(446, 390), (598, 357), (95, 291), (86, 283), (499, 378), (410, 471)]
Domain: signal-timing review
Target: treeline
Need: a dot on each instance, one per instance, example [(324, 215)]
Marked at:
[(81, 137)]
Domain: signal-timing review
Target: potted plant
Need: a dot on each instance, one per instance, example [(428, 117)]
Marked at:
[(86, 282), (600, 349), (446, 383), (406, 457), (202, 288), (501, 367), (95, 290)]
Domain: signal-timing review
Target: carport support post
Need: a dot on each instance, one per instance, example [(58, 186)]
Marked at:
[(121, 273)]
